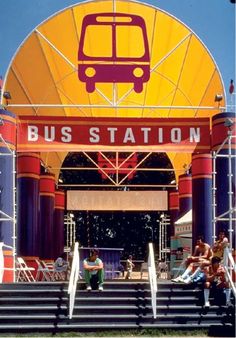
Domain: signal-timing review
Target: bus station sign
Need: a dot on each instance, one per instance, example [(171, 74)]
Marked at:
[(76, 134)]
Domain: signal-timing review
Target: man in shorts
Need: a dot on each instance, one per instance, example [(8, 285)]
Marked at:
[(215, 277), (202, 254)]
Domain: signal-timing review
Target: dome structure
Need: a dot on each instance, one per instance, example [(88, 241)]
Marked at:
[(46, 75)]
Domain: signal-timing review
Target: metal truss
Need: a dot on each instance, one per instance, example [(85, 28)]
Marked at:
[(117, 169), (228, 215)]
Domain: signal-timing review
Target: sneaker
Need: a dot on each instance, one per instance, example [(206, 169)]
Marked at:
[(100, 288), (177, 279), (88, 288), (207, 304), (187, 280)]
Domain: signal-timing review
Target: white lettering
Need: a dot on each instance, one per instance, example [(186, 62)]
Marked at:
[(175, 135), (160, 135), (194, 135), (94, 132), (112, 134), (49, 133), (66, 136), (145, 134), (33, 133), (129, 136)]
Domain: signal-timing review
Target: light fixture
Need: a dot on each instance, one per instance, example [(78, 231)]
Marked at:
[(228, 122), (60, 180), (71, 215), (173, 182), (7, 95), (218, 97)]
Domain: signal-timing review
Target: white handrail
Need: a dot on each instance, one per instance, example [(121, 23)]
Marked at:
[(152, 278), (73, 279), (230, 267)]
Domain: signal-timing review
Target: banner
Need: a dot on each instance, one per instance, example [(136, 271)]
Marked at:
[(117, 200), (36, 133)]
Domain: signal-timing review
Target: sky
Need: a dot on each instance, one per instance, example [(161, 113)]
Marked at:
[(213, 21)]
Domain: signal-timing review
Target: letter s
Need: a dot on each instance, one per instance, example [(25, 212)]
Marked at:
[(94, 132), (66, 136)]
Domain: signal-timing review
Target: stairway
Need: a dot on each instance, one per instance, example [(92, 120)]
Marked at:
[(28, 307), (181, 306)]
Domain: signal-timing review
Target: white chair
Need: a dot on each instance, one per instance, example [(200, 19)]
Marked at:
[(144, 268), (24, 273), (45, 272)]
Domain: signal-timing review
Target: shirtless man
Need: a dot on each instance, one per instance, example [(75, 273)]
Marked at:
[(219, 245), (202, 255), (215, 276)]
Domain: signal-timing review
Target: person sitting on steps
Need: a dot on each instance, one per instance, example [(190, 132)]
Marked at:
[(202, 254), (217, 251), (215, 277), (93, 271)]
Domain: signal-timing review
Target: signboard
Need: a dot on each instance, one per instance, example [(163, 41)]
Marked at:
[(93, 134), (117, 200)]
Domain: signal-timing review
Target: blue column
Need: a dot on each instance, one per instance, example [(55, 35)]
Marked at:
[(202, 197), (28, 173), (47, 205), (58, 228)]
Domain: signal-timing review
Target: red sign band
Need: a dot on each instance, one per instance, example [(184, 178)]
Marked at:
[(76, 134)]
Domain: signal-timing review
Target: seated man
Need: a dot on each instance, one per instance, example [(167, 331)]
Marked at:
[(219, 245), (215, 276), (217, 251), (202, 254), (93, 271)]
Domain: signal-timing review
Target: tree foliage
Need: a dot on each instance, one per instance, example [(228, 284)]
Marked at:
[(129, 230)]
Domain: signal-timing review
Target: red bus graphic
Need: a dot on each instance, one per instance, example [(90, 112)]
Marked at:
[(113, 58)]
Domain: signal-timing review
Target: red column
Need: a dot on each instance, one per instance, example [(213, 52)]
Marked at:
[(173, 210), (185, 194)]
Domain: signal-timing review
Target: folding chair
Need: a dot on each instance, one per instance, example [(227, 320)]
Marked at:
[(144, 268), (44, 272), (24, 273)]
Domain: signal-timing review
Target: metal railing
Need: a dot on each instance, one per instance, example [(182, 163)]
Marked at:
[(230, 268), (152, 278), (74, 275)]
